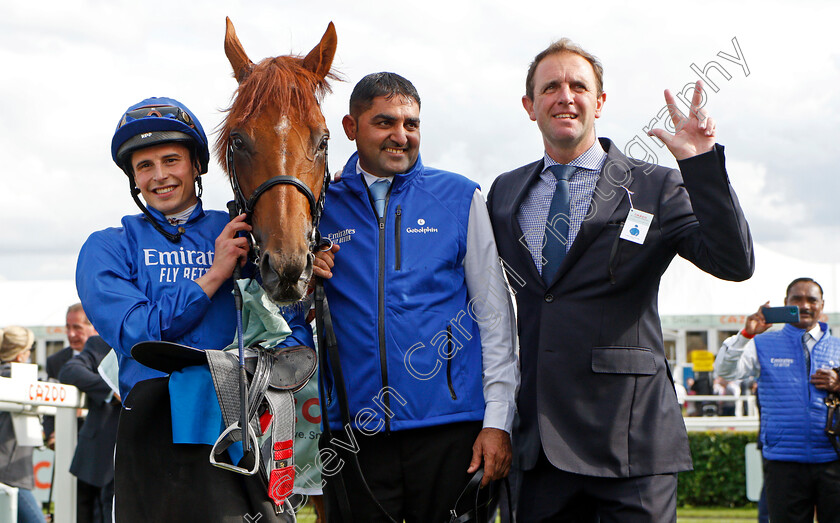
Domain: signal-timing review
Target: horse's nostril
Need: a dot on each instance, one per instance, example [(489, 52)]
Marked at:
[(306, 274), (265, 263), (285, 272)]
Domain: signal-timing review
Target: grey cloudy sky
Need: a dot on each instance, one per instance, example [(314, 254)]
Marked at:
[(70, 67)]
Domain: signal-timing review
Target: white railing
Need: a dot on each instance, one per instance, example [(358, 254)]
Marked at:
[(23, 394), (745, 418)]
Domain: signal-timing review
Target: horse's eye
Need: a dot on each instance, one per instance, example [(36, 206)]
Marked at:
[(237, 142), (323, 145)]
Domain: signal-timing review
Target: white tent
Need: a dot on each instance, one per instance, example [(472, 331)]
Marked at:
[(686, 290)]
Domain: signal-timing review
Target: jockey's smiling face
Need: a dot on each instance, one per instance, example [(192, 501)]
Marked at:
[(165, 175)]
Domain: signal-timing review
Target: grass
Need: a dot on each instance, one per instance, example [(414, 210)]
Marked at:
[(684, 515), (716, 515), (306, 514)]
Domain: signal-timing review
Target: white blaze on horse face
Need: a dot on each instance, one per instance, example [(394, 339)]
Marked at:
[(282, 128)]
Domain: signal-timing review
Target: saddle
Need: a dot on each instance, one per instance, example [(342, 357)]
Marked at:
[(273, 376)]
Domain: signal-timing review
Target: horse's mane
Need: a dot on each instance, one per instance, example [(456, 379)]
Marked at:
[(282, 81)]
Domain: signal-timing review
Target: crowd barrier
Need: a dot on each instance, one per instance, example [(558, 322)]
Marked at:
[(25, 398), (745, 418)]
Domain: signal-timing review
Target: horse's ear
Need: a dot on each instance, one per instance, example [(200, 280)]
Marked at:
[(236, 53), (319, 60)]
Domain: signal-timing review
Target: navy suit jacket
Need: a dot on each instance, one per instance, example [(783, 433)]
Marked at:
[(57, 361), (54, 366), (93, 461), (597, 393)]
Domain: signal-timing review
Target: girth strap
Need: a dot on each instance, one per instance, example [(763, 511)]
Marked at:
[(280, 460), (225, 378), (277, 463)]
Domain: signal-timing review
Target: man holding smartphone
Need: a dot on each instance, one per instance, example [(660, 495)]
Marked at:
[(802, 470)]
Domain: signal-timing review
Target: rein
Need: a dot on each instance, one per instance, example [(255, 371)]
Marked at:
[(246, 205)]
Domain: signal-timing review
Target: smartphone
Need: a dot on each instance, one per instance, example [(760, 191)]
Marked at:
[(787, 314)]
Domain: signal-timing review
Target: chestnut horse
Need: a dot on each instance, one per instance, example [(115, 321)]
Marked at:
[(273, 145)]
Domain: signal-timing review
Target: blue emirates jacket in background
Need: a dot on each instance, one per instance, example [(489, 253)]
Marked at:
[(410, 351), (793, 411)]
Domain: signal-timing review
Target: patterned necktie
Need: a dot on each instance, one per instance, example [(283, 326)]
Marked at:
[(805, 338), (379, 190), (557, 223)]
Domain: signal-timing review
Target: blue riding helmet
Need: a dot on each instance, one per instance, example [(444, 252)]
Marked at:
[(155, 121)]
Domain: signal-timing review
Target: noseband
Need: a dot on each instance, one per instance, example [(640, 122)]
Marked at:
[(246, 205)]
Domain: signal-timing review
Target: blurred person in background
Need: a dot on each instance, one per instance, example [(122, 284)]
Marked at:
[(15, 460), (796, 367), (78, 329), (93, 461)]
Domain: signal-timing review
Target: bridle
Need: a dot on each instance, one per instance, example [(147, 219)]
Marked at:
[(239, 205), (246, 205)]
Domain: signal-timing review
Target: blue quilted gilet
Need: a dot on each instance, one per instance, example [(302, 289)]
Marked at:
[(793, 411)]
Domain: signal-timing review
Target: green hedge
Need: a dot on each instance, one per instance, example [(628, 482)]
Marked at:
[(718, 478)]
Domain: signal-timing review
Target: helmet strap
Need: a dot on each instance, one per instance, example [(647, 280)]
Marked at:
[(135, 194), (200, 187)]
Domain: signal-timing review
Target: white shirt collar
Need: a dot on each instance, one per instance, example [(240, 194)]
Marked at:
[(816, 333), (592, 159), (181, 217), (369, 178)]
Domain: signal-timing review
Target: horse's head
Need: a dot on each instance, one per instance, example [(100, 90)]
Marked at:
[(273, 128)]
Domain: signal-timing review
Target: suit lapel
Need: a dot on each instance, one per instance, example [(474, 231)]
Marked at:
[(519, 190), (608, 194)]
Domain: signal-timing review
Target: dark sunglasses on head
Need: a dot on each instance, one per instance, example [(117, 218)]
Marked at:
[(157, 111)]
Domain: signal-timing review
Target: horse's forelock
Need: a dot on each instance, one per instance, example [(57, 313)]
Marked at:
[(281, 81)]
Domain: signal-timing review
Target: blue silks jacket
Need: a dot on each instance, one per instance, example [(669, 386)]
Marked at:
[(137, 286)]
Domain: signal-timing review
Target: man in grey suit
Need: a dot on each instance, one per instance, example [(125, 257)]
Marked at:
[(93, 462), (78, 329), (585, 234)]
